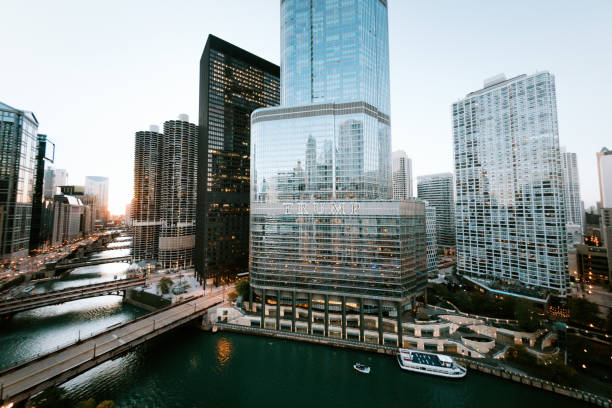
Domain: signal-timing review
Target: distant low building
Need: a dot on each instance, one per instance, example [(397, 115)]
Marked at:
[(591, 263)]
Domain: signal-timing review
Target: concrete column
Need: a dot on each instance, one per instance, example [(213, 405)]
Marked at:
[(278, 295), (293, 311), (361, 321), (344, 317), (310, 313), (251, 308), (326, 332), (400, 334), (263, 308), (381, 340)]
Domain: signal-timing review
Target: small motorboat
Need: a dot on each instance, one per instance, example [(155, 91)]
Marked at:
[(362, 368)]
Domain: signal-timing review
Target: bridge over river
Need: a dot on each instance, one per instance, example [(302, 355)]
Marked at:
[(20, 382), (12, 306)]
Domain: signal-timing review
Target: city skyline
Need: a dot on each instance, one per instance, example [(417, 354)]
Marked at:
[(126, 97), (389, 194)]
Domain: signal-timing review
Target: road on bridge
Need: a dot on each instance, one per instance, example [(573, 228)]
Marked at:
[(91, 262), (75, 293), (66, 295), (22, 381)]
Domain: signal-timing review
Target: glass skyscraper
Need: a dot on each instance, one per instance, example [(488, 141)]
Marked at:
[(97, 186), (432, 243), (42, 208), (510, 215), (233, 83), (18, 145), (325, 233), (437, 190)]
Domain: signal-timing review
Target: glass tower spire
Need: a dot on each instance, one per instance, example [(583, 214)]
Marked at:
[(324, 230), (334, 51)]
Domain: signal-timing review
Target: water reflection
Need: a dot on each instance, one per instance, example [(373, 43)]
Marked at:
[(44, 329), (223, 351), (190, 368), (121, 243), (112, 253), (86, 275)]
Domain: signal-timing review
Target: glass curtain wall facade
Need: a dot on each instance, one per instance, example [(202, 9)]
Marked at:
[(437, 190), (42, 207), (335, 51), (98, 186), (325, 232), (18, 145), (432, 244), (178, 193), (511, 219), (146, 205), (233, 83)]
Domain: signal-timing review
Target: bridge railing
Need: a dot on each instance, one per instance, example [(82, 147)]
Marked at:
[(17, 365)]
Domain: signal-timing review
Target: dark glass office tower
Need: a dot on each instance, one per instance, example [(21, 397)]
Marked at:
[(42, 207), (18, 131), (233, 83)]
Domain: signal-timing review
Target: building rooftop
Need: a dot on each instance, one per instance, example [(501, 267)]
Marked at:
[(498, 81)]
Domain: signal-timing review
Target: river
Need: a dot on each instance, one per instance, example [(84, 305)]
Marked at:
[(192, 368)]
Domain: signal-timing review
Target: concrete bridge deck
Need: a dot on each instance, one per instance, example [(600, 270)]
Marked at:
[(69, 294), (107, 247), (20, 382), (91, 262)]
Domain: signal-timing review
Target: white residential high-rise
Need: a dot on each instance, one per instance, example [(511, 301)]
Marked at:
[(571, 193), (510, 213), (177, 196), (604, 168), (402, 175)]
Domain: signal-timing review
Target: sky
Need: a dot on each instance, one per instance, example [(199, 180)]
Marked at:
[(95, 72)]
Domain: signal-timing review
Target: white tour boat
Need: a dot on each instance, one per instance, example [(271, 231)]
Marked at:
[(362, 368), (429, 363)]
